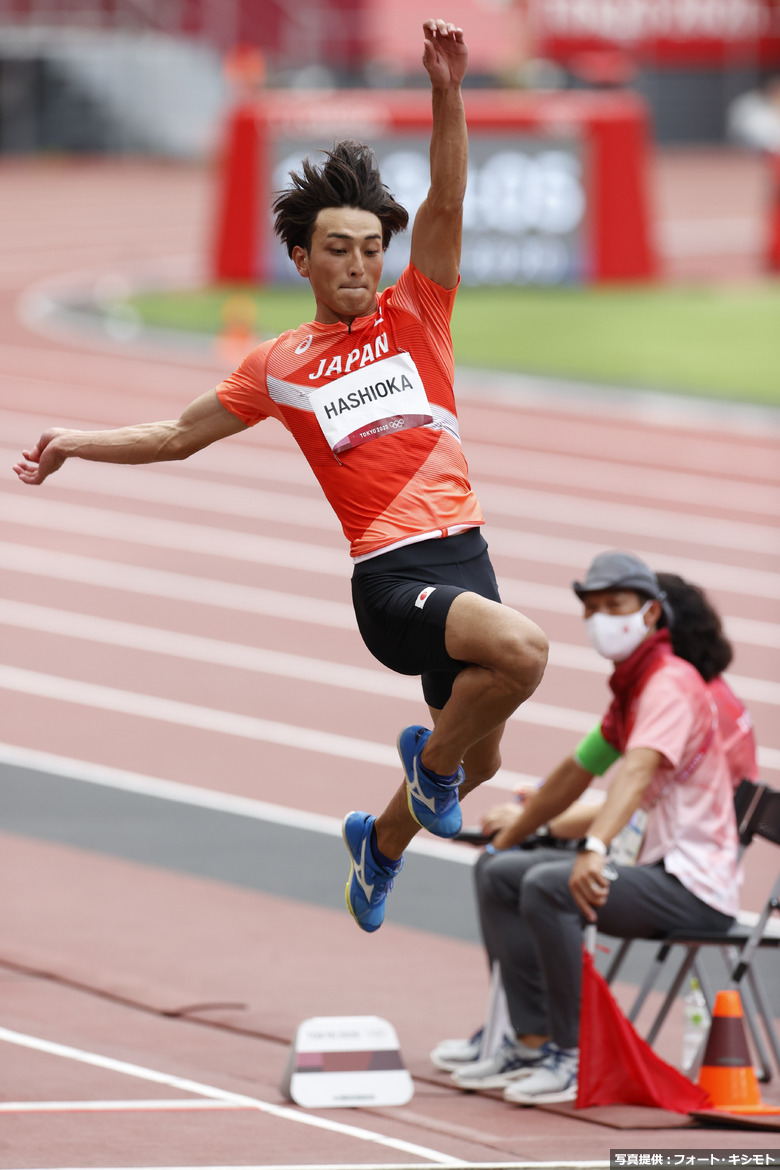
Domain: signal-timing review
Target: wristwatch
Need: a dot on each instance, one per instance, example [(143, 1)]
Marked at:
[(592, 845)]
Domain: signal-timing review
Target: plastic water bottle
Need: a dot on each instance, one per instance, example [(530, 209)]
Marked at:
[(696, 1022)]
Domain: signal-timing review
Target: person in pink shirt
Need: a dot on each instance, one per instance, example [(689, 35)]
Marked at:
[(697, 636), (661, 732)]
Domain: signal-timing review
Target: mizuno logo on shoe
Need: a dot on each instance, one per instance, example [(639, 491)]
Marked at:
[(360, 872), (417, 792)]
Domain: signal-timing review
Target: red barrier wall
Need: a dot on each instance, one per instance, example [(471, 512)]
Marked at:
[(773, 245), (607, 136)]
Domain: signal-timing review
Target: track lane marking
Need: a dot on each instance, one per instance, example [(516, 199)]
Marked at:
[(103, 775), (209, 496), (140, 1106), (135, 528), (273, 465), (321, 671), (163, 710), (198, 1088), (229, 595)]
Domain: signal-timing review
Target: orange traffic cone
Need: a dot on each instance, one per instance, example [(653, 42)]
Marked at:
[(727, 1072)]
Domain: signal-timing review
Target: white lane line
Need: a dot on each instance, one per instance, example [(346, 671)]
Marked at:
[(229, 595), (242, 806), (234, 655), (65, 690), (272, 466), (152, 1105), (68, 690), (504, 1165), (38, 512), (669, 524), (32, 561), (577, 554), (583, 658), (629, 519), (184, 1084)]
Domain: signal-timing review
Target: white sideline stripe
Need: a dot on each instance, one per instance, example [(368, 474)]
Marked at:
[(29, 560), (553, 550), (14, 678), (186, 1085), (244, 546), (573, 657), (274, 466), (155, 1103), (261, 458), (242, 806), (66, 623), (248, 502), (249, 727), (666, 524), (196, 648), (132, 528), (368, 1166)]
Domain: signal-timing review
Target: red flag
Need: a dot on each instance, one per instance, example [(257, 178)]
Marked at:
[(618, 1067)]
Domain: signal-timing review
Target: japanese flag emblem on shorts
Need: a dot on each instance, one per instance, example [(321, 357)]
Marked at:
[(423, 596)]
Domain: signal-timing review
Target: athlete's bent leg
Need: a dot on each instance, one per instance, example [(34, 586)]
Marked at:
[(509, 653)]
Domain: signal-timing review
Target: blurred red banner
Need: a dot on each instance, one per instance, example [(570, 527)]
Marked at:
[(660, 32)]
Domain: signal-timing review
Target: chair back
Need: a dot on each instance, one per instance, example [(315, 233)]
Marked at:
[(757, 808), (766, 818)]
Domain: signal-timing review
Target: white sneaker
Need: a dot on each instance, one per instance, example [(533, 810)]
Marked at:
[(513, 1060), (554, 1079), (453, 1054)]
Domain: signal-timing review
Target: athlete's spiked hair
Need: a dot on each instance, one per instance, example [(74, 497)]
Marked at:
[(348, 178)]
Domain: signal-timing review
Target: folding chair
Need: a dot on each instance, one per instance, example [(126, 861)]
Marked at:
[(758, 815)]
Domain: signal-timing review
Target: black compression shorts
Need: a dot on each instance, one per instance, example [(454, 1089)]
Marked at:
[(402, 599)]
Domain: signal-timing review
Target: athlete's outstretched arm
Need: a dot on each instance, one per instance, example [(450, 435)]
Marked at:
[(204, 421), (436, 236)]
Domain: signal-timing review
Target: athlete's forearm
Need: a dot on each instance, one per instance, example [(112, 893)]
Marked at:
[(449, 150), (140, 443), (204, 421)]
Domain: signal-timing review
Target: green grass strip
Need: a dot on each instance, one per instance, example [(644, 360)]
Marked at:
[(721, 341)]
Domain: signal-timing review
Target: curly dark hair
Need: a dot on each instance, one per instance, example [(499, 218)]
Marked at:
[(348, 178), (697, 632)]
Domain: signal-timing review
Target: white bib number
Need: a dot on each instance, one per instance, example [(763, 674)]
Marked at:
[(382, 398)]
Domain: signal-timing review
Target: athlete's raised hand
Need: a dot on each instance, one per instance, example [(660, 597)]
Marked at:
[(42, 459), (445, 55)]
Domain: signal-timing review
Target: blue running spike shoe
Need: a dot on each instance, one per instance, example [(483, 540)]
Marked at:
[(368, 883), (433, 804)]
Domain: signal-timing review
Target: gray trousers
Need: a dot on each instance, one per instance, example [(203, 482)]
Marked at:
[(531, 925)]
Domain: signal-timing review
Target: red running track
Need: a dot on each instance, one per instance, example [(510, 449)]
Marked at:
[(191, 625)]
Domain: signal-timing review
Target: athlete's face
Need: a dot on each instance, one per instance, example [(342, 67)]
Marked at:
[(344, 265)]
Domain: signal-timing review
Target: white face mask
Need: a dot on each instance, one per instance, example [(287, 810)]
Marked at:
[(617, 636)]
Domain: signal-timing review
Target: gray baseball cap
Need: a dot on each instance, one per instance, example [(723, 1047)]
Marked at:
[(622, 570)]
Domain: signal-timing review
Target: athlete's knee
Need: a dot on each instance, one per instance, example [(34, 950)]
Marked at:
[(525, 652), (536, 653)]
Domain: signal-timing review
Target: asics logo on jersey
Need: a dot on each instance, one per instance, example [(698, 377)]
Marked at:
[(304, 344), (360, 872)]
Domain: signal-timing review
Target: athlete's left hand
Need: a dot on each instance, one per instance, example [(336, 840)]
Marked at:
[(445, 55)]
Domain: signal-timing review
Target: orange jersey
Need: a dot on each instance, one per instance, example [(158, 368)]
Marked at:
[(372, 408)]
